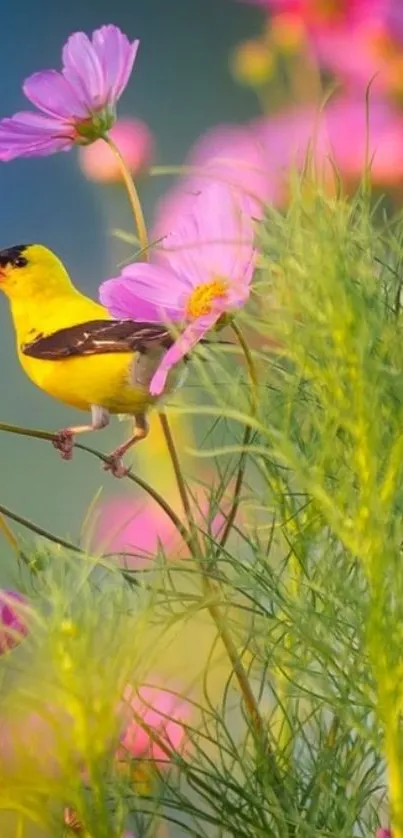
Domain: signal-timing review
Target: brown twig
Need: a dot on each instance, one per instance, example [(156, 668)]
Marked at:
[(47, 436)]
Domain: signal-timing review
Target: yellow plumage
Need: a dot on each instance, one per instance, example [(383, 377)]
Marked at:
[(44, 301)]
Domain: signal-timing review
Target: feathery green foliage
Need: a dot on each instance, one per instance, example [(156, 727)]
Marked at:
[(308, 584)]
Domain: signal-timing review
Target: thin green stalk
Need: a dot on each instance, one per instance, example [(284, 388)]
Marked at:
[(9, 536), (394, 772), (246, 437), (212, 592), (25, 522), (166, 430), (134, 199)]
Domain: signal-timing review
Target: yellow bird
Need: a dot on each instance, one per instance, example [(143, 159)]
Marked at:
[(72, 348)]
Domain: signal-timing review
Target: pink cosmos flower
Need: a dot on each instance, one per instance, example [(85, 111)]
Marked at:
[(78, 103), (135, 142), (374, 54), (229, 154), (164, 712), (202, 272), (327, 14), (138, 528), (340, 32), (382, 832), (339, 135), (13, 626)]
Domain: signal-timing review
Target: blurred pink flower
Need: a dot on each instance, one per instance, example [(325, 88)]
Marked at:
[(202, 271), (134, 140), (354, 38), (137, 528), (259, 155), (230, 154), (331, 13), (382, 832), (127, 525), (374, 54), (13, 625), (78, 103), (337, 136), (164, 712)]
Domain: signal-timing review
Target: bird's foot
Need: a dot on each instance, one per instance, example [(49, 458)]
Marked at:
[(115, 465), (71, 820), (64, 443)]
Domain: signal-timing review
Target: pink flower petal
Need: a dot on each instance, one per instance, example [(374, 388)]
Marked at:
[(164, 712), (29, 134), (120, 297), (181, 251), (27, 122), (186, 341), (13, 623), (231, 154), (126, 525), (83, 70), (157, 284), (215, 239), (116, 55), (53, 94)]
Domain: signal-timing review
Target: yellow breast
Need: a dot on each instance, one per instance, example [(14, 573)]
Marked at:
[(105, 380)]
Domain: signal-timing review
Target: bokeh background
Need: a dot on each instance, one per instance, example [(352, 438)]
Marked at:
[(181, 86), (253, 90)]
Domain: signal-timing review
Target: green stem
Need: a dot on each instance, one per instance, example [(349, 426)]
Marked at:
[(25, 522), (246, 437), (9, 536), (169, 440), (249, 363), (134, 199), (212, 592), (395, 778)]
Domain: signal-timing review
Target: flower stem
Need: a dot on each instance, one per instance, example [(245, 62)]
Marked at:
[(169, 440), (9, 535), (249, 363), (247, 434), (25, 522), (134, 199), (395, 778), (212, 593)]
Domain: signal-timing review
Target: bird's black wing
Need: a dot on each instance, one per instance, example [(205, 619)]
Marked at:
[(98, 337)]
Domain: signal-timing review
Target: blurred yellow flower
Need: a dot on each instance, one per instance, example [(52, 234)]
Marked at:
[(252, 63)]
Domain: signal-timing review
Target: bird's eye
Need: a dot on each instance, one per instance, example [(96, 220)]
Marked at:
[(20, 262)]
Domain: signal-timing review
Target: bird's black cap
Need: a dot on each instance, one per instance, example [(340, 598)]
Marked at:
[(10, 254)]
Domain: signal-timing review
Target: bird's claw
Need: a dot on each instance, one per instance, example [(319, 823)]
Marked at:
[(115, 465), (64, 443)]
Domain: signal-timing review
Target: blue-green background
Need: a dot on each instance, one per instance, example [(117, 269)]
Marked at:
[(181, 86)]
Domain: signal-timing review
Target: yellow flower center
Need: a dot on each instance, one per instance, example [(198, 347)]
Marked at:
[(203, 296)]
